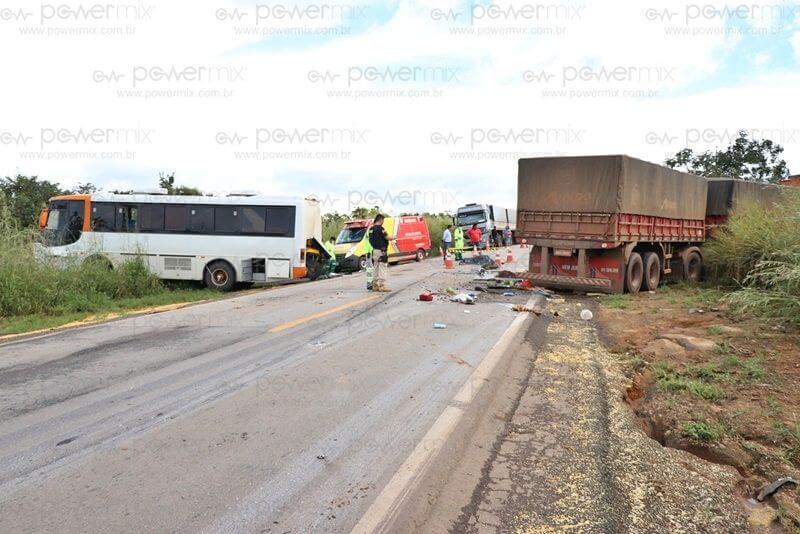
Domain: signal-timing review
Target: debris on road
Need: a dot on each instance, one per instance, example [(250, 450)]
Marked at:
[(509, 294), (463, 298), (587, 315), (439, 326), (769, 489), (484, 261), (426, 297), (320, 457)]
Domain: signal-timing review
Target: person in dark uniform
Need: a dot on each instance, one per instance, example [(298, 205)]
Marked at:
[(379, 240)]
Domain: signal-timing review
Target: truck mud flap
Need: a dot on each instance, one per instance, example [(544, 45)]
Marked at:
[(576, 283)]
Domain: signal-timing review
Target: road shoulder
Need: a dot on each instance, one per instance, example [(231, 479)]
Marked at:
[(570, 455)]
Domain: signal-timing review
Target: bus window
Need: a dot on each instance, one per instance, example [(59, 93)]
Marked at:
[(175, 219), (127, 218), (280, 221), (102, 217), (253, 220), (151, 218), (64, 223), (201, 219), (227, 220)]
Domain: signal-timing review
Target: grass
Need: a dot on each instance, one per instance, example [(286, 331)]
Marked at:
[(669, 380), (753, 369), (714, 330), (619, 301), (30, 323), (703, 431), (692, 295), (38, 292), (759, 251), (710, 372), (790, 435)]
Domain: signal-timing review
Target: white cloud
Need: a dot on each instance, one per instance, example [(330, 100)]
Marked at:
[(377, 143)]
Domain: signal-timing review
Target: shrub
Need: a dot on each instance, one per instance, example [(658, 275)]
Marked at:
[(40, 285), (759, 249), (702, 431)]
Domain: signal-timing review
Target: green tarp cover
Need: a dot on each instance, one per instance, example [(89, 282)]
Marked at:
[(609, 184)]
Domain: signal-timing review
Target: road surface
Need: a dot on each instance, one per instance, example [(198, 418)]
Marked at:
[(286, 410)]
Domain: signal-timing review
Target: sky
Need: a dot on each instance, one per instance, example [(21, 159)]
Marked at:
[(411, 105)]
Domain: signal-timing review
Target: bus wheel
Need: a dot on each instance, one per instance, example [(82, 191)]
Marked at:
[(634, 273), (652, 271), (692, 267), (420, 255), (219, 275)]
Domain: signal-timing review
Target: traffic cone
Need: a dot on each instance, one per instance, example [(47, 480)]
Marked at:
[(510, 256)]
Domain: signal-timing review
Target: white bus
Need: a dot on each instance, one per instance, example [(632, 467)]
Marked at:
[(219, 240)]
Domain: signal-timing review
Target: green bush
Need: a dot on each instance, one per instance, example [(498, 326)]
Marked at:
[(703, 431), (759, 249), (31, 285), (753, 235), (669, 380), (436, 226)]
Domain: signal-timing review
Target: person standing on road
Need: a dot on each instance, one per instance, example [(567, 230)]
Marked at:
[(447, 241), (379, 240), (507, 236), (458, 239), (474, 235)]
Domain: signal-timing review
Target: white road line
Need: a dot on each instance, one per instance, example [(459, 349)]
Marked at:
[(378, 517)]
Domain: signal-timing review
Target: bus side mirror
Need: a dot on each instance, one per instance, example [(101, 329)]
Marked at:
[(43, 219)]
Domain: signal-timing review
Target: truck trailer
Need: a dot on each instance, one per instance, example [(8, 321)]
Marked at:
[(726, 195), (610, 223)]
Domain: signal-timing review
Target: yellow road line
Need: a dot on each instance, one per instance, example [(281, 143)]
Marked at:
[(319, 315)]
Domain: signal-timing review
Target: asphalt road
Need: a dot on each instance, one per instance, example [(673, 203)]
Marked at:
[(280, 410)]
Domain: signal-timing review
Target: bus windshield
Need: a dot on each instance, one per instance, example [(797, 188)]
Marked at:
[(351, 235), (64, 223), (468, 218)]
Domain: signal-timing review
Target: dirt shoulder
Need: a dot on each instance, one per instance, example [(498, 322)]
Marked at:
[(722, 387), (571, 455)]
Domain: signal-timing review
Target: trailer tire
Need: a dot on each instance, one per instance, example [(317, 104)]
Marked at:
[(692, 266), (219, 275), (652, 271), (634, 273)]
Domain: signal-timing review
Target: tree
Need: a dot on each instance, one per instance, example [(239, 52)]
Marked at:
[(167, 181), (746, 159), (26, 196), (365, 213), (85, 188)]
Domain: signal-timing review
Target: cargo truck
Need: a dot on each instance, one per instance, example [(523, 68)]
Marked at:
[(491, 220), (610, 223)]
